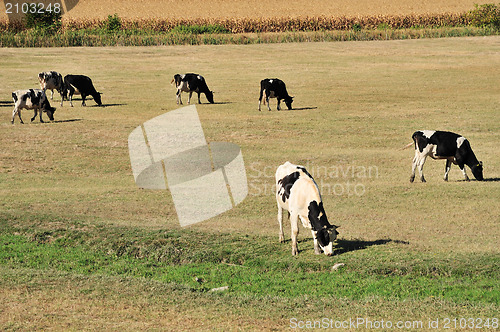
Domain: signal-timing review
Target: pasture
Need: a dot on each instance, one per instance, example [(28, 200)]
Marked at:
[(82, 247)]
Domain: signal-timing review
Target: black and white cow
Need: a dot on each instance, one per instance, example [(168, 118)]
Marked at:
[(51, 80), (192, 83), (444, 145), (80, 84), (31, 99), (297, 192), (274, 88)]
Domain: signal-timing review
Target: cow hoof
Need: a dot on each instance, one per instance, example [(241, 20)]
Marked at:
[(423, 180), (412, 178)]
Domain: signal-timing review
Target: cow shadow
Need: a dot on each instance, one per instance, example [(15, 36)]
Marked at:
[(69, 120), (492, 180), (303, 108), (344, 246), (6, 103), (108, 105)]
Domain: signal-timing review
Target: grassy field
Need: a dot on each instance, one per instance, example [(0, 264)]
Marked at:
[(81, 247)]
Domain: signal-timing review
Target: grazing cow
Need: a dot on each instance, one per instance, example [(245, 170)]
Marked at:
[(297, 193), (51, 80), (192, 83), (82, 85), (444, 145), (274, 88), (34, 99)]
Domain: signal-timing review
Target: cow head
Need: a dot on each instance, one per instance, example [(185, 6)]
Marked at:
[(326, 236), (97, 98), (477, 171), (210, 96), (48, 109), (288, 102)]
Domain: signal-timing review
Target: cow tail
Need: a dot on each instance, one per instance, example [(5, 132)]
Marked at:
[(407, 146), (14, 96)]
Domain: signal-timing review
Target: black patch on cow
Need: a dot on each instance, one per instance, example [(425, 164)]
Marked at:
[(323, 237), (303, 169), (14, 96), (318, 223), (287, 184), (35, 97), (446, 143), (420, 140)]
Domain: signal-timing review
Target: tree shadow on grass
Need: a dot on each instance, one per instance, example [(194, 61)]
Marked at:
[(344, 246)]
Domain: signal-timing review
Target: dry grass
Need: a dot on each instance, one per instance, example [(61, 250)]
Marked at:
[(356, 104)]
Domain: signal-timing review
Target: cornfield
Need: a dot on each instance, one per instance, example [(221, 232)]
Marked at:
[(262, 25)]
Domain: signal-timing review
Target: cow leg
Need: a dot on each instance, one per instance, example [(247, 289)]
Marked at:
[(317, 250), (83, 99), (447, 169), (267, 101), (414, 166), (71, 99), (294, 222), (190, 95), (199, 100), (279, 108), (18, 112), (40, 112), (179, 100), (35, 110), (280, 222), (462, 168), (260, 98), (421, 162)]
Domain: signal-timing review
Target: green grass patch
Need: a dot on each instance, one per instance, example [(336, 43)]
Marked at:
[(254, 265)]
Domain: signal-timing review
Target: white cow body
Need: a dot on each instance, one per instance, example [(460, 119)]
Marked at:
[(297, 192)]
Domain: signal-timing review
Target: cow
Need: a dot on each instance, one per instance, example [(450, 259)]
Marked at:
[(274, 88), (192, 83), (51, 80), (444, 145), (297, 192), (34, 99), (80, 84)]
